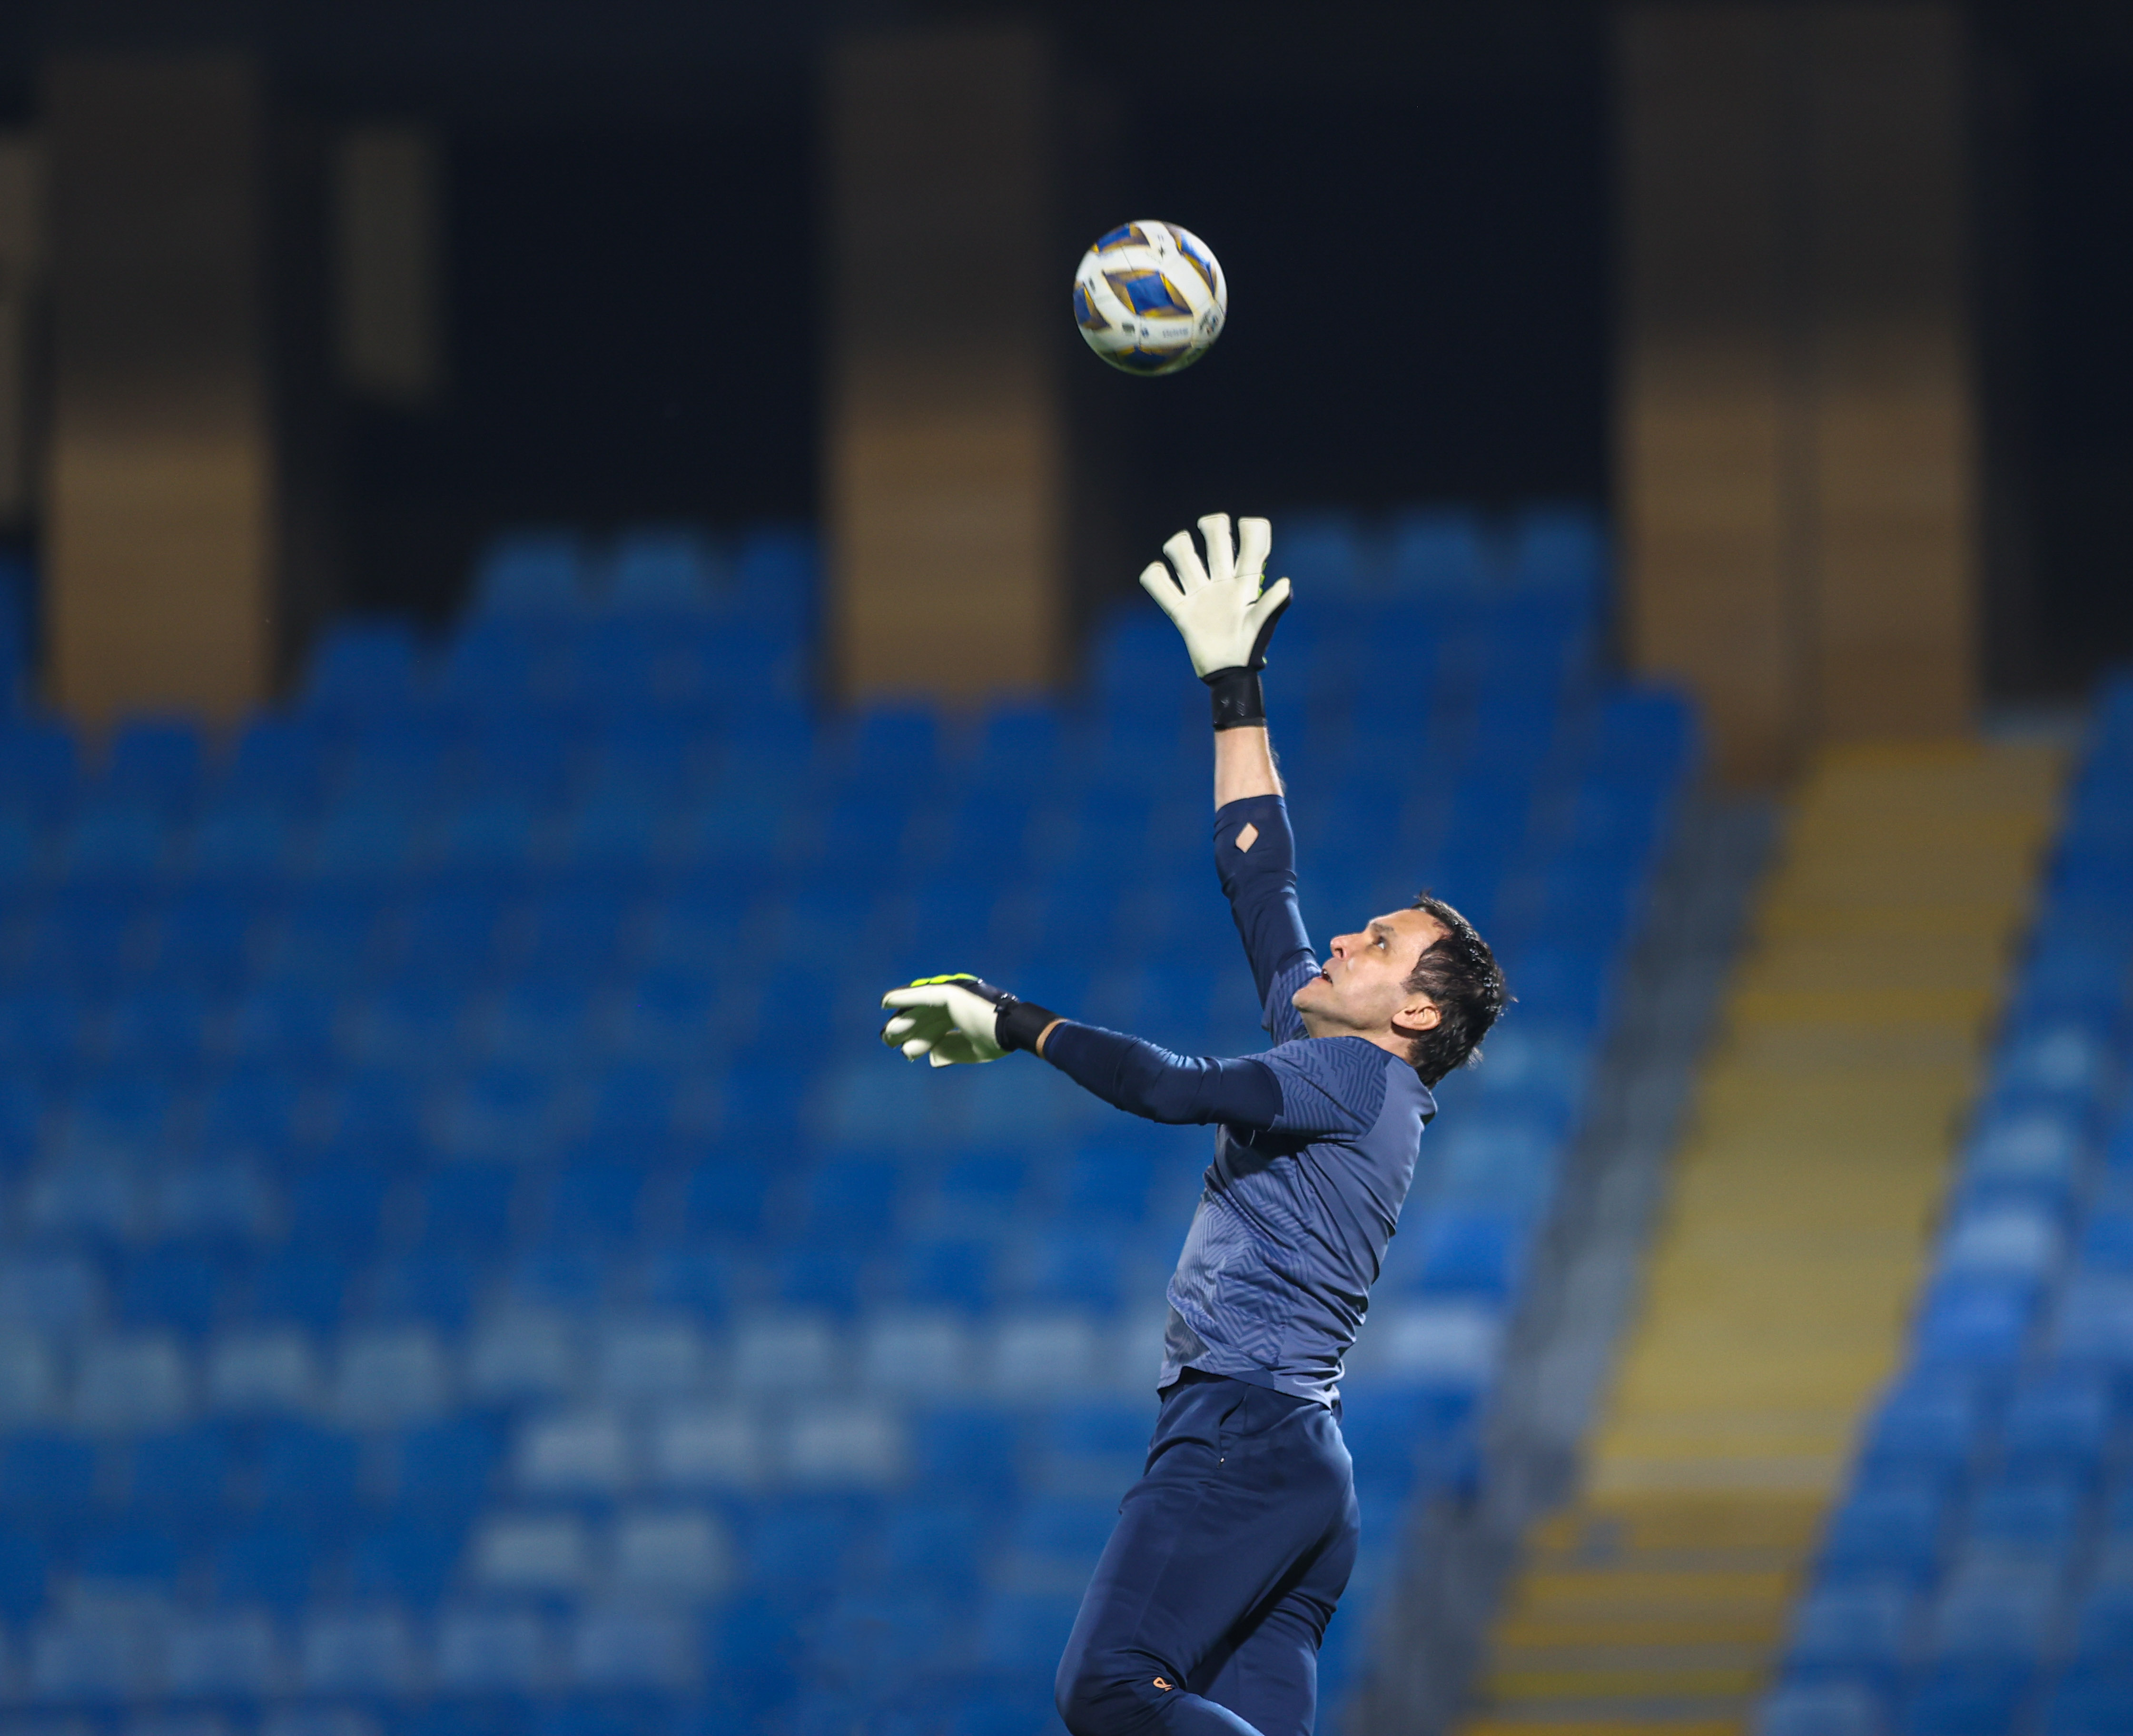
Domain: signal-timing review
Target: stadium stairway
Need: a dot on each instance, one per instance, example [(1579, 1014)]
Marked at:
[(1790, 1252)]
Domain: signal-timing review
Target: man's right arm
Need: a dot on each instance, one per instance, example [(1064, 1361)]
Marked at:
[(1255, 856)]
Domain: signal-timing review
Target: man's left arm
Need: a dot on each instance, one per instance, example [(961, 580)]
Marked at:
[(962, 1018)]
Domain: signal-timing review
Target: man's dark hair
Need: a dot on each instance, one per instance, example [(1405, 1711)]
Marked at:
[(1459, 973)]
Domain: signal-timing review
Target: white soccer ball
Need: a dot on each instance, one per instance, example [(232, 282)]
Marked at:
[(1150, 298)]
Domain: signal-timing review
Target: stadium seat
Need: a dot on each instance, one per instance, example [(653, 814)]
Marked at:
[(182, 1478), (270, 1565), (363, 670), (411, 1562), (306, 1474), (25, 1576), (176, 1288), (368, 1653), (1886, 1533), (131, 1381), (533, 573), (391, 1374), (231, 1655), (262, 1370)]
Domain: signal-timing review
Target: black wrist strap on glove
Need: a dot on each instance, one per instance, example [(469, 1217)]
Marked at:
[(1020, 1024), (1239, 701)]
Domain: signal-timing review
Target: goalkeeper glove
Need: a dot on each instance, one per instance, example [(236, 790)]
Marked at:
[(960, 1018), (1221, 612)]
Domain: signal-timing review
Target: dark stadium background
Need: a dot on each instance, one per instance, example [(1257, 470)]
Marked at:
[(635, 309)]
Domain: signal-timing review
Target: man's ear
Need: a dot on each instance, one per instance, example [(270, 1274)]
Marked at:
[(1417, 1015)]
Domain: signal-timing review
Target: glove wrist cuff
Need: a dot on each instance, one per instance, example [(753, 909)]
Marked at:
[(1239, 701), (1020, 1024)]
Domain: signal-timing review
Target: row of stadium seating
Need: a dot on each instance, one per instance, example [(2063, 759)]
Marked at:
[(462, 1249), (1978, 1575)]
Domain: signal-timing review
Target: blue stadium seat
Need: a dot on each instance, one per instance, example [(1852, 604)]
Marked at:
[(982, 1187), (438, 1288), (83, 937), (1072, 1268), (154, 759), (2103, 1627), (818, 1280), (359, 670), (223, 1201), (974, 1453), (501, 663), (1893, 1534), (411, 1562), (575, 934), (127, 1563), (1438, 552), (2065, 1424), (446, 1467), (120, 844), (799, 1543), (2085, 1704), (279, 762), (532, 573), (307, 1475), (177, 1287), (301, 1285), (1965, 1701), (1470, 1253), (1935, 1430), (851, 1202), (467, 1207), (2032, 1518), (1859, 1632), (1558, 549), (46, 1478), (946, 1272), (692, 1279), (1974, 1322), (39, 767), (724, 1196), (25, 1576), (664, 571), (337, 1208), (272, 1564), (42, 1029), (1025, 1630), (596, 1202), (160, 1028)]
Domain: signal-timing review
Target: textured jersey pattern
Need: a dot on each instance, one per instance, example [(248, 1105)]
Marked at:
[(1294, 1219)]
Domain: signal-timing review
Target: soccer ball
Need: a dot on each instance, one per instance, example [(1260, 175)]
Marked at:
[(1150, 298)]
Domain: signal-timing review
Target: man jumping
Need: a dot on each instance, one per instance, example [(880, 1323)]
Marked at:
[(1205, 1612)]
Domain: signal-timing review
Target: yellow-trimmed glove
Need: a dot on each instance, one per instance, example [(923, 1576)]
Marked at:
[(960, 1019)]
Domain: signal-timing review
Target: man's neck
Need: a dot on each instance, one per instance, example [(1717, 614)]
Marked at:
[(1385, 1038)]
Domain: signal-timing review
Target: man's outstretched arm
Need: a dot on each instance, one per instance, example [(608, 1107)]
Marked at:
[(1226, 613), (962, 1018)]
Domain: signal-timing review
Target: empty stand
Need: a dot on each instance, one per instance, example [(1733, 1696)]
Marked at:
[(1794, 1244), (464, 1256)]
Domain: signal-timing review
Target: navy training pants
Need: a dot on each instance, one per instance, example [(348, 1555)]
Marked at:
[(1204, 1614)]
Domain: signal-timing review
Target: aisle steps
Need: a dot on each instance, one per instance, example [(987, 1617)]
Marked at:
[(1791, 1250)]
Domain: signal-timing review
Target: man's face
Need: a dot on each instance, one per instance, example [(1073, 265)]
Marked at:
[(1363, 989)]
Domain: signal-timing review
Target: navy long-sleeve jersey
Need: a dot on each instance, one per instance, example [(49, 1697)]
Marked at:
[(1315, 1151)]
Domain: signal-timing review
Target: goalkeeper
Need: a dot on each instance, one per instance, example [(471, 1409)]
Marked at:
[(1205, 1612)]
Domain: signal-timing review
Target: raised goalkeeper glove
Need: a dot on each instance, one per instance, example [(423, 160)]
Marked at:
[(1220, 609), (959, 1018)]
